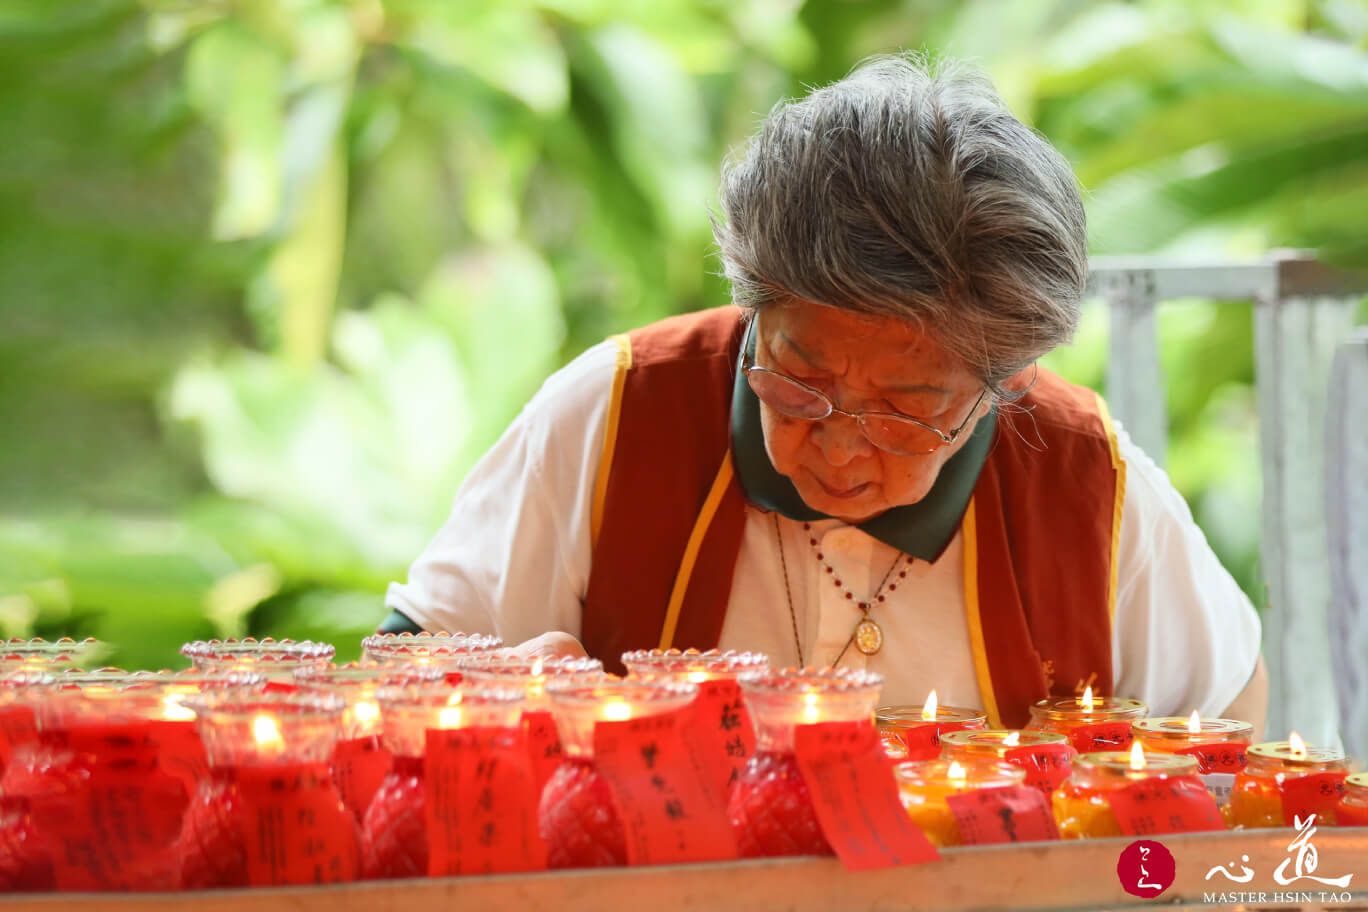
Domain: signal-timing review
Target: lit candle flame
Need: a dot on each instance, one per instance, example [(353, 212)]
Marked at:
[(697, 677), (1296, 747), (616, 711), (1012, 740), (366, 711), (1086, 701), (810, 712), (1195, 723), (174, 711), (929, 707), (265, 730), (1137, 756), (537, 666), (450, 717), (955, 771)]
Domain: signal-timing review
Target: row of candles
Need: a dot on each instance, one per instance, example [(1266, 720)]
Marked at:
[(442, 754)]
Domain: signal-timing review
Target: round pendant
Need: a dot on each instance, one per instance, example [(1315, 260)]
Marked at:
[(868, 636)]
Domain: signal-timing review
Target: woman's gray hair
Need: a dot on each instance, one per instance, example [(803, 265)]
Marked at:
[(909, 190)]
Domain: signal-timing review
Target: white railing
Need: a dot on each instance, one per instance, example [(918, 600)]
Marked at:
[(1314, 550)]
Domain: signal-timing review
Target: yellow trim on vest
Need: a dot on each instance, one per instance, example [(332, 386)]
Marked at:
[(969, 528), (1119, 465), (605, 466), (686, 566)]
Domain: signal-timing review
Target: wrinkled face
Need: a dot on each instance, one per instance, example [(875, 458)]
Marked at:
[(860, 362)]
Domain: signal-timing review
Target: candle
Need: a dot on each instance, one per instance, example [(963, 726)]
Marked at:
[(1218, 744), (692, 665), (914, 732), (55, 655), (926, 785), (1045, 758), (269, 815), (443, 650), (277, 659), (394, 834), (1287, 779), (579, 819), (18, 727), (1353, 807), (25, 864), (359, 760), (1091, 723), (770, 809), (1084, 805)]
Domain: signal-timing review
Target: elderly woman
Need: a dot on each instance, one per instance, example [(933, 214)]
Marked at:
[(858, 464)]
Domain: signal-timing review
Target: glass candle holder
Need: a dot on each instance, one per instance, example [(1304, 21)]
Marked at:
[(277, 659), (770, 809), (269, 815), (577, 817), (25, 863), (1045, 758), (691, 665), (1220, 745), (1281, 782), (182, 750), (1099, 724), (443, 650), (360, 761), (58, 655), (394, 838), (925, 785), (914, 732), (96, 790), (1353, 807), (1082, 805)]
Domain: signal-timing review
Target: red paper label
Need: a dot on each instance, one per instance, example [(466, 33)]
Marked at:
[(1101, 736), (359, 765), (668, 809), (16, 727), (1218, 757), (856, 797), (1173, 804), (544, 751), (1012, 813), (1316, 794), (721, 734), (481, 812), (1351, 815), (923, 741), (182, 752), (1046, 765), (298, 831)]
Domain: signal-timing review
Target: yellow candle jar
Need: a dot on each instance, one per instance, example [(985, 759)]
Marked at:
[(925, 785), (1092, 724), (1287, 779), (913, 732), (1082, 805), (1353, 807), (1044, 757)]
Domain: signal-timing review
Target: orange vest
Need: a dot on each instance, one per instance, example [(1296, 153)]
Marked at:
[(1040, 532)]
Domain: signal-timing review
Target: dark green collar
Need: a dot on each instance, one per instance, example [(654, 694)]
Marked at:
[(922, 529)]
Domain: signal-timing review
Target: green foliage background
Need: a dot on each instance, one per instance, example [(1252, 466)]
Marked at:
[(273, 273)]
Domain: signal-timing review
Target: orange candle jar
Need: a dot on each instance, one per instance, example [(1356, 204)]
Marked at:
[(277, 659), (443, 650), (1092, 724), (925, 785), (578, 818), (1083, 804), (1045, 758), (1220, 745), (914, 732), (360, 760), (1353, 807), (769, 808), (1286, 779)]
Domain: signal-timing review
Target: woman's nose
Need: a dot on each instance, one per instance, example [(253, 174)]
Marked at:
[(841, 440)]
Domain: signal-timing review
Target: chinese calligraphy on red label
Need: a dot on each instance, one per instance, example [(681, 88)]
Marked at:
[(1101, 736), (668, 809), (481, 811), (544, 751), (359, 765), (1012, 813), (1170, 804), (922, 741), (721, 734), (856, 797), (1317, 793), (1218, 758), (1046, 765), (297, 830)]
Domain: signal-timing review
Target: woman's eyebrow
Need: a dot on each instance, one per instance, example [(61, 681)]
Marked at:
[(910, 388)]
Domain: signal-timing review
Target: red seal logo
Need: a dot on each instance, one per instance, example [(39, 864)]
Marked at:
[(1145, 868)]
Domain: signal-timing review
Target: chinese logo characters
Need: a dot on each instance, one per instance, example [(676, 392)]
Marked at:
[(1302, 859)]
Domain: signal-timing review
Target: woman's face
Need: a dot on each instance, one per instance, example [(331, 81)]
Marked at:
[(860, 362)]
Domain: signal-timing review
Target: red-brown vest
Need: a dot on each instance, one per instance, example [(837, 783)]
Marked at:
[(1040, 531)]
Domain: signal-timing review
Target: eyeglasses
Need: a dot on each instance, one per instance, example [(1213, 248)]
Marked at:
[(894, 432)]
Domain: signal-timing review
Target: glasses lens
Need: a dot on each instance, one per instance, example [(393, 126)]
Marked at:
[(787, 397), (899, 436)]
